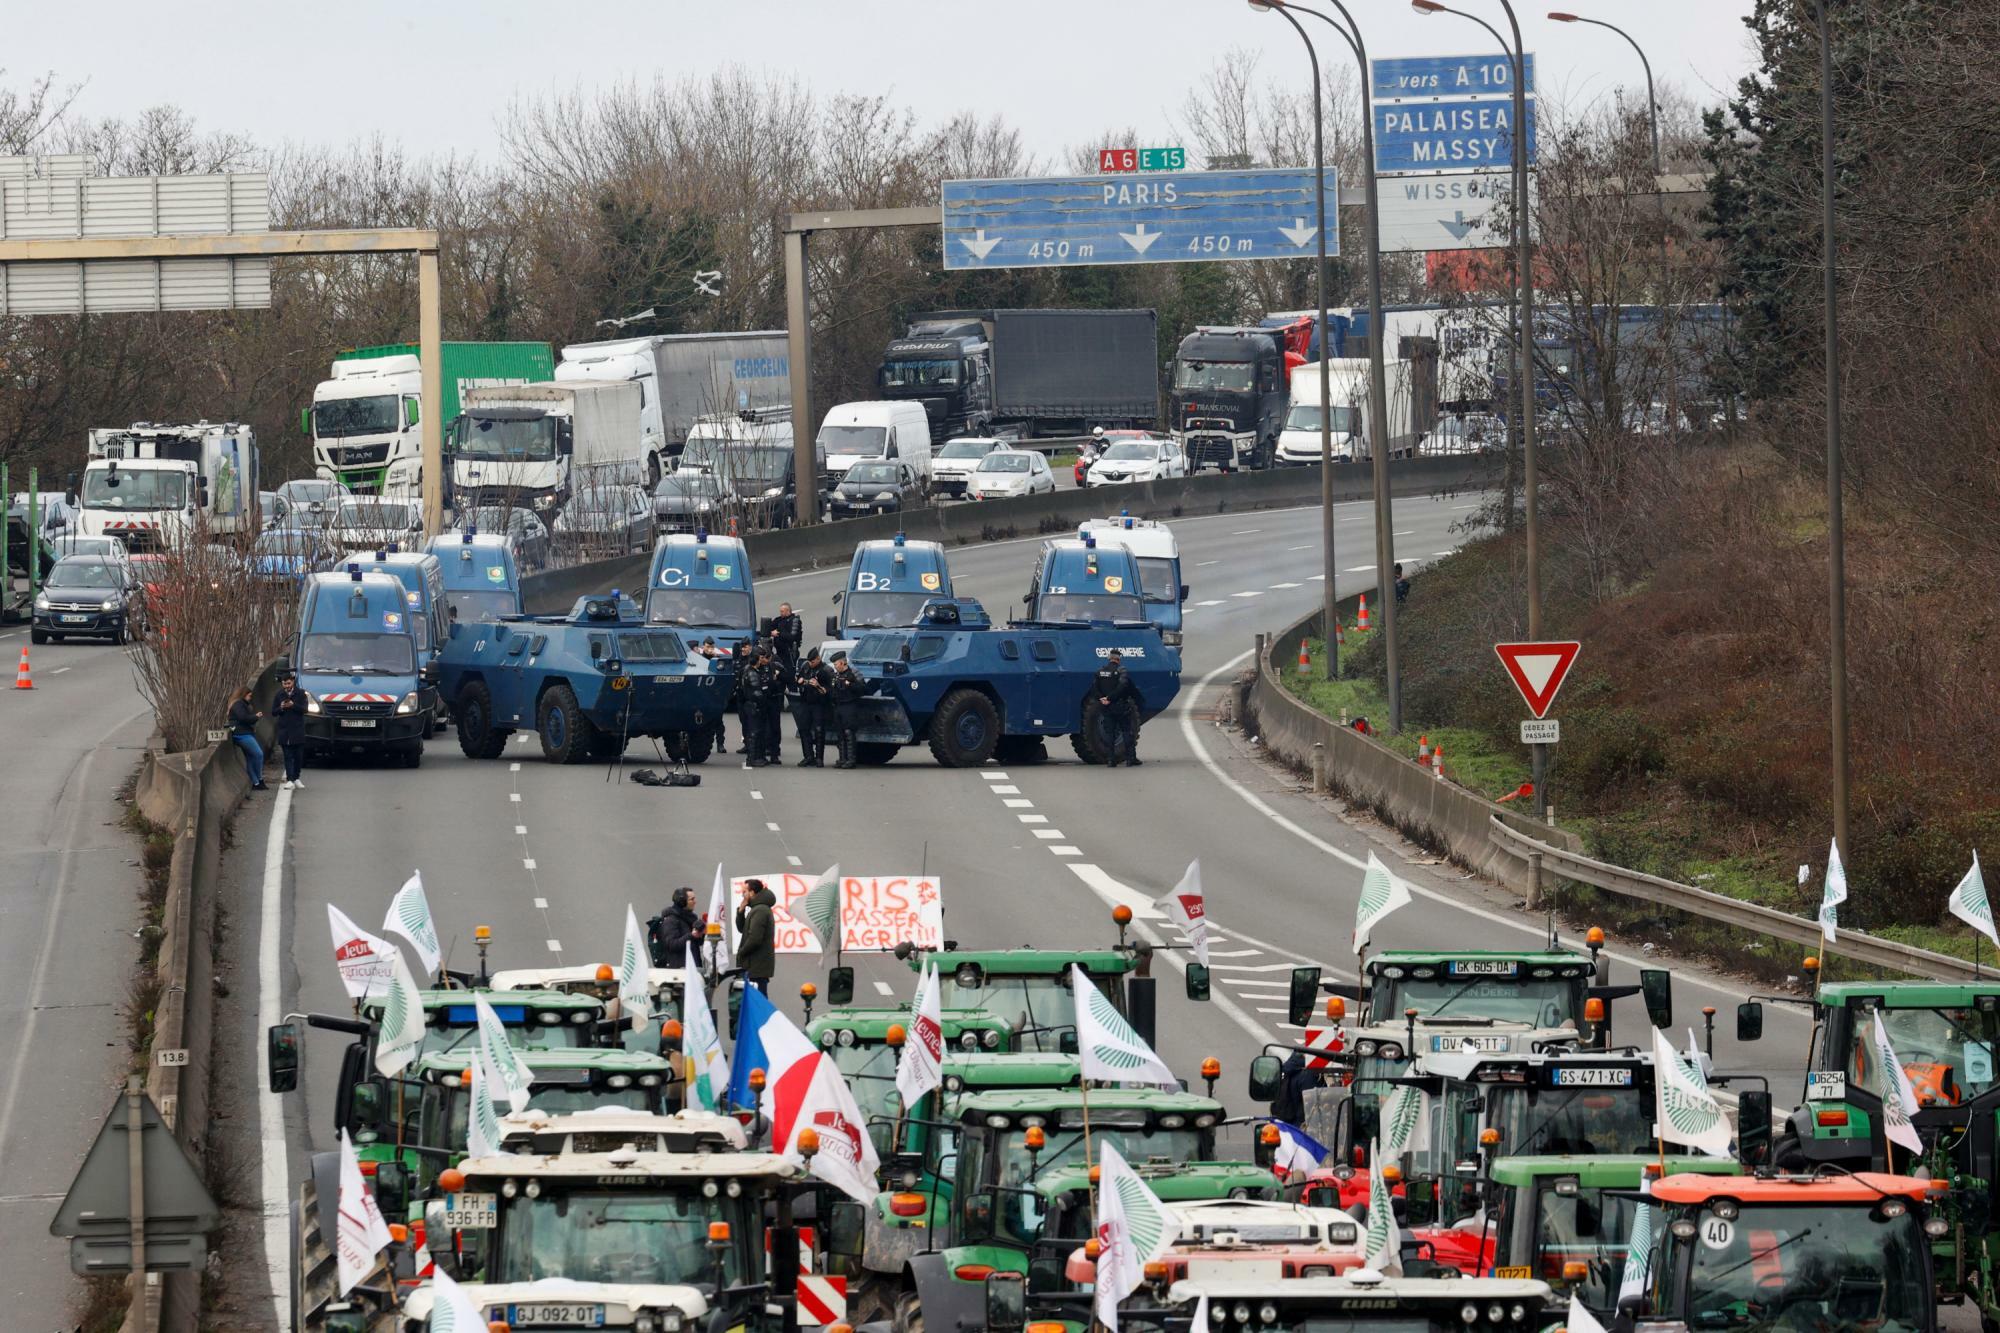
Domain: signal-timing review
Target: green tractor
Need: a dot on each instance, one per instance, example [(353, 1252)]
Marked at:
[(867, 1043), (1946, 1035), (1360, 1301)]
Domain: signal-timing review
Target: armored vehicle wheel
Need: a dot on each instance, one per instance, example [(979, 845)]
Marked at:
[(1093, 742), (477, 736), (566, 732), (874, 753), (605, 745), (1021, 750), (964, 729), (688, 747)]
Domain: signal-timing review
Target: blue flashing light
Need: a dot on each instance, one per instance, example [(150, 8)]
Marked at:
[(1090, 540), (701, 534), (381, 553), (467, 538), (354, 572), (901, 538)]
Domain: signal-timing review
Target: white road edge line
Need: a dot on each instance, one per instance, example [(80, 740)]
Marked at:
[(274, 1168)]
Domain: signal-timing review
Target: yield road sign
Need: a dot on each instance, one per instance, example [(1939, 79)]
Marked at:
[(1488, 75), (1448, 135), (96, 1214), (1159, 218), (1537, 670)]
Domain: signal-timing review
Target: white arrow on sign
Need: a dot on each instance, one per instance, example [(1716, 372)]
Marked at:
[(1139, 238), (1298, 233), (980, 247)]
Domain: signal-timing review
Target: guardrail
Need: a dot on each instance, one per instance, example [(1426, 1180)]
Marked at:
[(1754, 917)]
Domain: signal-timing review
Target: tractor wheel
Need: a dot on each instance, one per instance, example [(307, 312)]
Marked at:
[(1787, 1155), (909, 1316), (874, 753), (478, 738), (1092, 742), (964, 729), (566, 733)]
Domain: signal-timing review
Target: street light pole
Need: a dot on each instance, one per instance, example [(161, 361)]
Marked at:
[(1378, 396), (1835, 524), (1330, 596)]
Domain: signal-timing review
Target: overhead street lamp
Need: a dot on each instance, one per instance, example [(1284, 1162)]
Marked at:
[(1652, 104), (1835, 523), (1330, 597)]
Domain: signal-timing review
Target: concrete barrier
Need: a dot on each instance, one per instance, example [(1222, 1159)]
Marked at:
[(1440, 815), (822, 544)]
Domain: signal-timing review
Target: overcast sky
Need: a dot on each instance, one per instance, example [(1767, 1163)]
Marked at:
[(435, 74)]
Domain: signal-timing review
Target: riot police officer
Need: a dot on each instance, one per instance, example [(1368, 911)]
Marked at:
[(846, 690), (756, 707), (1118, 697), (777, 680), (787, 632), (744, 656), (813, 679)]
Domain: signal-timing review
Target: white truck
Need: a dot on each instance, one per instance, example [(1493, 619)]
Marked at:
[(154, 486), (534, 445), (1410, 408), (683, 376)]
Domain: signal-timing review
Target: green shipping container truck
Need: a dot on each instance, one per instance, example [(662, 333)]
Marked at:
[(366, 422)]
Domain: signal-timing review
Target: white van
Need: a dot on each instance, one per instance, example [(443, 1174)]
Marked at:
[(860, 432)]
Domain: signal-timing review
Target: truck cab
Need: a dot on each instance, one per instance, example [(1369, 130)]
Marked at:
[(152, 486), (356, 655), (1080, 580), (701, 584), (944, 365), (888, 583), (481, 580), (1162, 594), (1230, 390)]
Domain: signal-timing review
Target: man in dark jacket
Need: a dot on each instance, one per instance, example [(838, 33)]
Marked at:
[(845, 690), (777, 683), (787, 632), (1118, 698), (757, 934), (670, 933), (745, 655), (288, 713), (813, 680)]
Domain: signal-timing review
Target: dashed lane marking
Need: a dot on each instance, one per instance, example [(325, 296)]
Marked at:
[(528, 863), (541, 904), (1067, 850), (770, 826), (1022, 803), (514, 796), (795, 860), (1216, 602), (756, 795), (885, 988), (555, 946), (1008, 790), (1245, 532), (58, 671), (1252, 592), (1307, 547), (992, 775), (1276, 586), (1252, 967), (1047, 834), (1204, 564), (513, 768), (1033, 819), (520, 830)]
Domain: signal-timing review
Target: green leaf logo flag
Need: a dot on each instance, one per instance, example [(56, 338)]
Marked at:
[(402, 1021), (1899, 1099), (1638, 1254), (1580, 1319), (1687, 1112), (509, 1070), (410, 917), (635, 995), (1834, 895), (1132, 1230), (452, 1311), (1110, 1049), (820, 909), (482, 1121), (1381, 894), (1969, 903), (1402, 1119), (707, 1067), (1382, 1243)]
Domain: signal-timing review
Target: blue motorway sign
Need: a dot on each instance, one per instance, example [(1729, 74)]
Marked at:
[(1164, 218), (1448, 76), (1448, 136)]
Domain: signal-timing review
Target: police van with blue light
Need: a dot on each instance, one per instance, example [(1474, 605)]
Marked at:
[(888, 583), (481, 580), (1079, 580), (422, 578), (356, 654), (1152, 544), (700, 583)]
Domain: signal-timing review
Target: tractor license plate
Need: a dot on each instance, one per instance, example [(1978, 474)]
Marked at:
[(1461, 1043), (1826, 1086), (544, 1315), (76, 620), (1483, 967), (470, 1212), (357, 722), (1593, 1078)]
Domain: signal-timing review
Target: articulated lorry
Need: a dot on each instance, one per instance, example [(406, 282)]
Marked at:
[(366, 422), (153, 486), (534, 445), (685, 376), (1230, 391), (1043, 372)]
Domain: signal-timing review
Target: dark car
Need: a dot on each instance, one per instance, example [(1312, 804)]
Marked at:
[(875, 488), (527, 536), (761, 478), (686, 501), (605, 521), (86, 595)]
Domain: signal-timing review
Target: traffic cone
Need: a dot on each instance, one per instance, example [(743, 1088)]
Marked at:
[(1305, 658), (1437, 763), (23, 679), (1339, 634), (1423, 749), (1361, 625)]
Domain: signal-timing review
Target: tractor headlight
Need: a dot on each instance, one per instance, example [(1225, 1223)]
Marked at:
[(847, 1036), (968, 1041), (619, 1081), (828, 1037), (1468, 1313), (989, 1039), (1267, 1313), (533, 1190)]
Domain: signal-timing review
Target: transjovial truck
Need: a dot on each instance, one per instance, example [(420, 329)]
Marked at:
[(683, 376), (1412, 395), (153, 486), (532, 446), (366, 422)]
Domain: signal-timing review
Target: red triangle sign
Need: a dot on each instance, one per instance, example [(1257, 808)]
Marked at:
[(1538, 670)]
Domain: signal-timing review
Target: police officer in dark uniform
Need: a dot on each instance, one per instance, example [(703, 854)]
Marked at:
[(745, 655), (777, 681), (757, 707), (813, 680), (1118, 697), (787, 632), (719, 659), (846, 690)]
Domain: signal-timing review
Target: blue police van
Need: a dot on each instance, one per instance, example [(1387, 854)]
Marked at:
[(888, 583), (1152, 544), (1079, 580), (430, 617), (701, 585), (356, 655), (481, 580)]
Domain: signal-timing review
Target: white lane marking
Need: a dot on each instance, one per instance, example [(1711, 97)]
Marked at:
[(1254, 592), (1117, 894), (1047, 834), (520, 830), (769, 825), (1317, 578), (520, 738), (528, 863), (1358, 569), (1276, 586), (795, 860), (756, 795), (1204, 564), (1252, 967), (1402, 532), (885, 988), (1033, 819), (1257, 803), (58, 671), (274, 1169), (1067, 851), (1020, 803), (514, 796), (1234, 953), (992, 775), (555, 946), (1217, 602), (1307, 547), (541, 904), (513, 768), (1245, 532), (1439, 555), (1007, 790), (1275, 1011)]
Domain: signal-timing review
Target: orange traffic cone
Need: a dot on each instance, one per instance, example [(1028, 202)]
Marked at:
[(23, 679), (1361, 625), (1339, 634), (1437, 763), (1423, 749), (1305, 658)]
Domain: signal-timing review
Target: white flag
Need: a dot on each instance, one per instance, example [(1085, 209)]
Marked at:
[(509, 1069), (1899, 1099), (362, 1233), (1835, 894), (1581, 1320), (402, 1030), (1381, 894), (1187, 909), (1382, 1242), (701, 1044), (820, 909), (718, 912), (1969, 903), (921, 1067), (363, 959), (1636, 1277), (1685, 1110), (452, 1311), (1132, 1228), (635, 994), (410, 917), (810, 1093), (1200, 1321), (1404, 1119), (482, 1119), (1697, 1059), (1109, 1048)]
